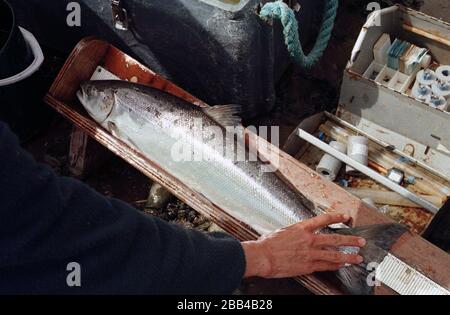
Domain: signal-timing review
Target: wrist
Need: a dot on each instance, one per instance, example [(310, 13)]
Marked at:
[(257, 263)]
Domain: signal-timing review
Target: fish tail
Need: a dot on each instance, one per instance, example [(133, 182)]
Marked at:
[(359, 279)]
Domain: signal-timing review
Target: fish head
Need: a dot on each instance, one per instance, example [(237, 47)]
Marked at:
[(98, 100)]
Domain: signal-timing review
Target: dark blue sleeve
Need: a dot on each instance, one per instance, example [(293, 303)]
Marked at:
[(47, 222)]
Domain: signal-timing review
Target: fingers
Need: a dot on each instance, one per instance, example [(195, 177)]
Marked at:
[(336, 240), (336, 257), (323, 221), (320, 266)]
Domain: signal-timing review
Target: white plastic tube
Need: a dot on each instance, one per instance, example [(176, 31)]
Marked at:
[(441, 88), (358, 150), (438, 102), (421, 92), (426, 77), (329, 166), (443, 73)]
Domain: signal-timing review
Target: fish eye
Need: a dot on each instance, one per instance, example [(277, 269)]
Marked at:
[(90, 91)]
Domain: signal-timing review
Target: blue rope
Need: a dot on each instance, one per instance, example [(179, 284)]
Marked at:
[(280, 11)]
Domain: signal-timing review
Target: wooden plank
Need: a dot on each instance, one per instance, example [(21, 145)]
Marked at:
[(426, 34), (78, 68), (85, 154), (78, 152)]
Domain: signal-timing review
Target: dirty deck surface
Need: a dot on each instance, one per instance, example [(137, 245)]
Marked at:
[(305, 94)]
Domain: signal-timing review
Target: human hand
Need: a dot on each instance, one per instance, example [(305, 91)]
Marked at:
[(299, 250)]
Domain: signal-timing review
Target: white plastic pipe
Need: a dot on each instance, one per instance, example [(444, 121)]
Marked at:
[(358, 150), (329, 166), (367, 171), (443, 73)]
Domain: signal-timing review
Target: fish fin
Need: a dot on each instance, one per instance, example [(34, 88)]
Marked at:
[(354, 279), (116, 132), (380, 238), (226, 115)]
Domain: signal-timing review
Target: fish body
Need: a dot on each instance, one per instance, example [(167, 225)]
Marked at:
[(164, 127), (190, 143)]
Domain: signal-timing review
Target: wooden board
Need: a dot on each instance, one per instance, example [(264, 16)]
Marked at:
[(91, 53), (85, 154)]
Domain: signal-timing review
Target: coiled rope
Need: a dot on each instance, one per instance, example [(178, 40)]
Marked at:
[(280, 11)]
